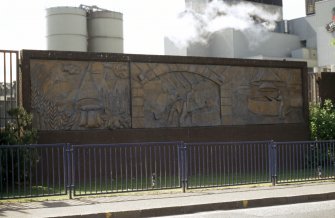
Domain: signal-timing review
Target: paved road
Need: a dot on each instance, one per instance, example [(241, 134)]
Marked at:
[(323, 209)]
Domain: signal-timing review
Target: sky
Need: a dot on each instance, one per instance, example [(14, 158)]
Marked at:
[(23, 23)]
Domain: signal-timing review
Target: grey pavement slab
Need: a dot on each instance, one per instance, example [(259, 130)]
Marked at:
[(159, 204)]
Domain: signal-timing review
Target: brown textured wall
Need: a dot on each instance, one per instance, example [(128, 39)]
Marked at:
[(278, 132), (237, 124)]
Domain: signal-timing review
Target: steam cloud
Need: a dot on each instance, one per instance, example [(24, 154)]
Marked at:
[(193, 27)]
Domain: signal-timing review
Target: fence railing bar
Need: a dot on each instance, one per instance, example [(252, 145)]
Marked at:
[(87, 169)]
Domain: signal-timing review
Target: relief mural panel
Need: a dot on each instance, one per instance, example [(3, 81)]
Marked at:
[(267, 96), (179, 99), (81, 95), (179, 95), (78, 95)]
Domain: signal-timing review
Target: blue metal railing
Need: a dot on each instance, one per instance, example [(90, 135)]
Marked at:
[(32, 170), (77, 170), (305, 161), (103, 169), (225, 164)]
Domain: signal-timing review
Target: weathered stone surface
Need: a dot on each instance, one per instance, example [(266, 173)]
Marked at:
[(76, 95), (180, 98), (80, 95)]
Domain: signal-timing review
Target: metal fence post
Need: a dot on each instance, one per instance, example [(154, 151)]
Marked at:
[(273, 161), (182, 165), (69, 157)]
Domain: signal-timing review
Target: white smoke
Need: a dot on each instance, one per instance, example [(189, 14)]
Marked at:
[(193, 27)]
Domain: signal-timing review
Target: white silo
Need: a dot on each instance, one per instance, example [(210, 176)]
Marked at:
[(105, 31), (66, 29)]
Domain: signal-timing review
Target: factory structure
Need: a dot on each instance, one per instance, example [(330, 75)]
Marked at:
[(310, 39), (84, 28)]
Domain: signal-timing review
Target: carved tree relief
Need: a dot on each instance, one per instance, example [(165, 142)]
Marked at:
[(74, 95)]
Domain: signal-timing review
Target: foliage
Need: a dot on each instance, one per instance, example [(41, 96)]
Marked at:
[(322, 121), (14, 160), (19, 131)]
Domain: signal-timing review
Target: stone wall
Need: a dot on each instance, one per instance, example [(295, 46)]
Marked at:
[(102, 93)]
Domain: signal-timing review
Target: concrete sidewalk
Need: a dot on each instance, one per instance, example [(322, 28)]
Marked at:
[(148, 205)]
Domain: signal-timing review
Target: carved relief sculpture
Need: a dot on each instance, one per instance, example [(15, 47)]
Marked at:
[(74, 95), (81, 95)]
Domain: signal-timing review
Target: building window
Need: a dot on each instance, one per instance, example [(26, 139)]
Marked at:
[(310, 6)]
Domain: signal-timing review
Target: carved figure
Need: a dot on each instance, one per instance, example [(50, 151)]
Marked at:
[(73, 95)]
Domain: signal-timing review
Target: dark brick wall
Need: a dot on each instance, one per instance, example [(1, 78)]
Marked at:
[(279, 132)]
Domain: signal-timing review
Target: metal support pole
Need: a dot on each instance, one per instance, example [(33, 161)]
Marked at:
[(182, 166), (69, 156), (273, 162)]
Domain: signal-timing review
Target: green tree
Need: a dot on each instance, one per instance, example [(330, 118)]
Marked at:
[(19, 131), (322, 121)]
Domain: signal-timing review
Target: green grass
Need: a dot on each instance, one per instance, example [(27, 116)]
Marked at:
[(165, 182), (34, 191), (123, 185)]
